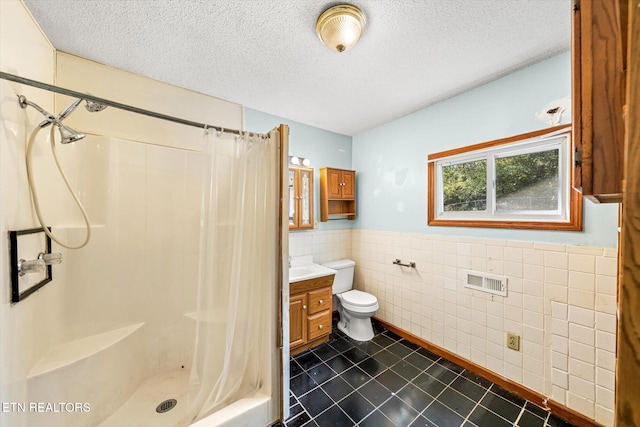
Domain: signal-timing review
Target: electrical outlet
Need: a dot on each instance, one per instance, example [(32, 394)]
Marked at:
[(513, 341)]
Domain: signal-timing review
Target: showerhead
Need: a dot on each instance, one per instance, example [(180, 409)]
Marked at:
[(93, 106), (68, 135), (69, 109)]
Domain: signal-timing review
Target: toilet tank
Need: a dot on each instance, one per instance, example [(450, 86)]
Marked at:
[(343, 281)]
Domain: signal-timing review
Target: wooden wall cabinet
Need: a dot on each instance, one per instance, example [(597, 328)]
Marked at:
[(599, 63), (310, 310), (337, 193), (300, 198)]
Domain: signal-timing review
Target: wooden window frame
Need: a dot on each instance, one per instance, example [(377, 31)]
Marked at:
[(574, 222)]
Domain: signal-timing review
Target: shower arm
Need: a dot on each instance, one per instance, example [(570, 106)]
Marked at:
[(49, 117), (24, 102)]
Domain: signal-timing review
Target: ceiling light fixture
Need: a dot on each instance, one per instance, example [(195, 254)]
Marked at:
[(340, 27)]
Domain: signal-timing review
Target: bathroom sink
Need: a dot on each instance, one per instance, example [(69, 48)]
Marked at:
[(308, 271), (300, 272)]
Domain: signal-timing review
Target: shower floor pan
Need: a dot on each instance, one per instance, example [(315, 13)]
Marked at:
[(141, 407)]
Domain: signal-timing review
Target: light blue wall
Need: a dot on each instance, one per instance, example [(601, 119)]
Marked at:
[(322, 147), (391, 160)]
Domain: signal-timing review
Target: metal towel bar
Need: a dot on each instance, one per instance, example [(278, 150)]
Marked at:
[(398, 262)]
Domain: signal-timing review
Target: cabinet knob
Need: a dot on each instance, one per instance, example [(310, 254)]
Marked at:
[(304, 307), (319, 326), (321, 301)]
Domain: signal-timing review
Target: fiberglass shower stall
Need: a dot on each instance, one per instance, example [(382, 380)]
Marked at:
[(170, 312)]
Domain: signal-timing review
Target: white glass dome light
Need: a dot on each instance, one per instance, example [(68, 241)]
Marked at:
[(340, 27)]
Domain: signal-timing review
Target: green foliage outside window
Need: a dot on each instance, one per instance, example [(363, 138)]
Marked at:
[(523, 182), (528, 181), (465, 186)]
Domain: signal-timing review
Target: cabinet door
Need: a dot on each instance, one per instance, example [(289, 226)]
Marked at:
[(297, 320), (334, 184), (306, 198), (293, 200), (348, 184), (599, 57), (300, 198)]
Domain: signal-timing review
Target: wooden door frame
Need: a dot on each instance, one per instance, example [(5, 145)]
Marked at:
[(628, 367), (283, 253)]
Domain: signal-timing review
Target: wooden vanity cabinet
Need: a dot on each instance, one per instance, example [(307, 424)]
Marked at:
[(297, 322), (599, 43), (337, 193), (310, 310)]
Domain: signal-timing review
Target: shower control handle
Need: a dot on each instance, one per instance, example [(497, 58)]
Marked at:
[(50, 258), (32, 266), (38, 265)]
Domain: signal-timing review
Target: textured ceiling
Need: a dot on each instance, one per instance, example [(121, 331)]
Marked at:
[(265, 55)]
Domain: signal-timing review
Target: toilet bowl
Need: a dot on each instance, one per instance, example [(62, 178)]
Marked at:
[(355, 308)]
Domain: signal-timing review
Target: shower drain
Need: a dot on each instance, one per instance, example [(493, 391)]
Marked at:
[(166, 406)]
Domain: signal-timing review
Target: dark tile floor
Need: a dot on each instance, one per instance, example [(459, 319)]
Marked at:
[(391, 382)]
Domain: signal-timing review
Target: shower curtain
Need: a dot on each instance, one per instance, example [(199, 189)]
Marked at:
[(237, 277)]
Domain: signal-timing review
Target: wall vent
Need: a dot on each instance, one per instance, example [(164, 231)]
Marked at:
[(486, 282)]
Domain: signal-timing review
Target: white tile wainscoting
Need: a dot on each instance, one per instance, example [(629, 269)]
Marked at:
[(324, 246), (561, 300)]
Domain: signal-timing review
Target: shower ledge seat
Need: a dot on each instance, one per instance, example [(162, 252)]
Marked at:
[(102, 369)]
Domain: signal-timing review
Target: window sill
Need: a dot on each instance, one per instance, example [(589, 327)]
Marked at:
[(575, 224)]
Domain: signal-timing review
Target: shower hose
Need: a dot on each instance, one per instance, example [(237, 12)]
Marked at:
[(34, 194)]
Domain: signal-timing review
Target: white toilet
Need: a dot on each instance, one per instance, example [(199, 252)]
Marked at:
[(354, 307)]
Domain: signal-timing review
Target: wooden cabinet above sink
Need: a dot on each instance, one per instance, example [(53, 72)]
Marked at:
[(337, 194)]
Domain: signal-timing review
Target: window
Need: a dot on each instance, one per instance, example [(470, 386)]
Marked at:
[(518, 182)]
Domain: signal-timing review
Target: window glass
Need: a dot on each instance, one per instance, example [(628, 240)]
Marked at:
[(464, 186), (528, 182)]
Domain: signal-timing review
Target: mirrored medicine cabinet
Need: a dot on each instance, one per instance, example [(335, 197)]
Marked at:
[(300, 197)]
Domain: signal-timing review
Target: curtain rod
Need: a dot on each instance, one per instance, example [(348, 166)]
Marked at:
[(56, 89)]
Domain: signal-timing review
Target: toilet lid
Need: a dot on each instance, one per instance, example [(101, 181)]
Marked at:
[(359, 298)]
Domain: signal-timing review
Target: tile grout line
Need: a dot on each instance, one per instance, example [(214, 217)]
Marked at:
[(494, 412), (476, 405), (515, 423), (439, 394), (388, 368), (332, 400), (336, 403)]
